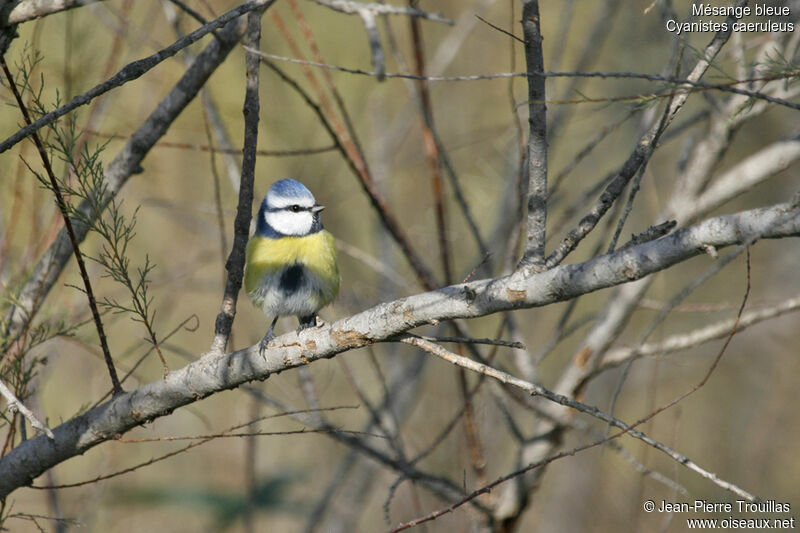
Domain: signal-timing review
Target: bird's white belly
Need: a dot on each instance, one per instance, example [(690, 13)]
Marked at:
[(300, 296)]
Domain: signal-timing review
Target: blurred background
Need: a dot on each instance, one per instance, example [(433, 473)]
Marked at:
[(741, 425)]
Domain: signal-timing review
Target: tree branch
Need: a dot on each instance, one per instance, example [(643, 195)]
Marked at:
[(26, 10), (683, 341), (537, 138), (241, 226), (357, 8), (15, 405), (213, 373)]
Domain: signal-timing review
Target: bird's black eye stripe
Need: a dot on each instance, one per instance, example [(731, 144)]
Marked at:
[(294, 208)]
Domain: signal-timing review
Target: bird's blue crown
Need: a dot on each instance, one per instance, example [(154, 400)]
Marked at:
[(289, 188)]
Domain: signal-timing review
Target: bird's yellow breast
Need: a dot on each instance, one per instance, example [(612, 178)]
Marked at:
[(316, 252)]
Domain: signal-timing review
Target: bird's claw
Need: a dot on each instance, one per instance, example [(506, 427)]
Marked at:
[(262, 346), (309, 322)]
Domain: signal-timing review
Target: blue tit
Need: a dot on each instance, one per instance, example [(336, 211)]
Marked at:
[(291, 261)]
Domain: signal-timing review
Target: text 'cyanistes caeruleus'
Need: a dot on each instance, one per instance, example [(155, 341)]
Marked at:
[(291, 261)]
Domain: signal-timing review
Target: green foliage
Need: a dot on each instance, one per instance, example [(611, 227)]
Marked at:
[(779, 66), (92, 207), (226, 507), (82, 183)]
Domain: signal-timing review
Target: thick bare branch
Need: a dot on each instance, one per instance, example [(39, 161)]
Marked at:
[(748, 173), (26, 10), (213, 373)]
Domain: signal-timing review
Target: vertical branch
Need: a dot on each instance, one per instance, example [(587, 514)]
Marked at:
[(62, 207), (537, 140), (440, 58), (431, 149), (223, 241), (9, 231), (434, 158), (241, 225), (251, 482), (337, 97)]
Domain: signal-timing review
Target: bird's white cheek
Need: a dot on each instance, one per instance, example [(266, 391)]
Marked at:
[(290, 223)]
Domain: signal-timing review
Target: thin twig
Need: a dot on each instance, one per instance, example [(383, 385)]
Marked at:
[(602, 134), (721, 352), (437, 146), (637, 181), (379, 266), (438, 484), (399, 398), (538, 390), (431, 150), (349, 134), (717, 266), (691, 339), (357, 8), (488, 488), (189, 11), (15, 405), (635, 164), (143, 357), (203, 440), (250, 434), (223, 241), (468, 340), (433, 156), (693, 85), (225, 145), (635, 185), (595, 37), (498, 28), (219, 150)]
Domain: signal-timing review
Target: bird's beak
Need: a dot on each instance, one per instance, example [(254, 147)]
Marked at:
[(317, 208)]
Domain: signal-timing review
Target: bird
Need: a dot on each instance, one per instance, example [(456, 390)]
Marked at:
[(290, 262)]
